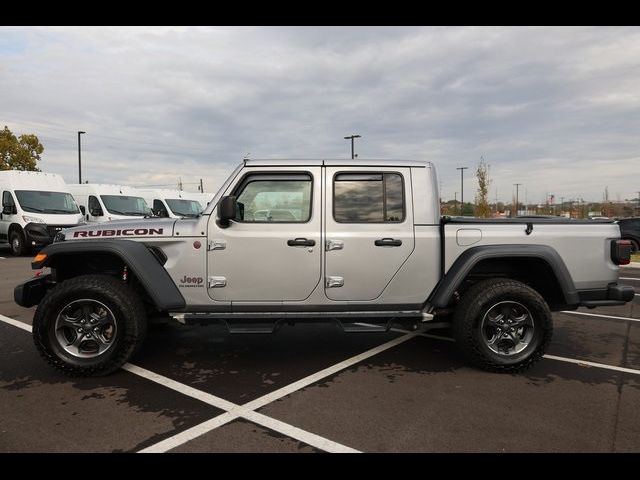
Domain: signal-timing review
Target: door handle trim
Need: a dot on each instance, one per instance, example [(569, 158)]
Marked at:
[(301, 242), (387, 242)]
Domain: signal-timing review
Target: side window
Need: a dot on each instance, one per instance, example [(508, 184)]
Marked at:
[(7, 199), (368, 198), (275, 198), (158, 208), (94, 206)]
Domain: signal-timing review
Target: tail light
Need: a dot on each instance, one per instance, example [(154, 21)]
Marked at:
[(621, 252)]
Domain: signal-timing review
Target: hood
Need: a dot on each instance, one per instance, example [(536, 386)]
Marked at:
[(52, 219), (140, 228)]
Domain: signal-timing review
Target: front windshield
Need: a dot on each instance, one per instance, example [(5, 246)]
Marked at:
[(125, 205), (185, 208), (46, 202)]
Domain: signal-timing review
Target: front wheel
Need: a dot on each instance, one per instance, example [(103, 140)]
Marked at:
[(89, 325), (502, 325), (17, 243)]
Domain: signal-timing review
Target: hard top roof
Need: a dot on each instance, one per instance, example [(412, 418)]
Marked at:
[(357, 162)]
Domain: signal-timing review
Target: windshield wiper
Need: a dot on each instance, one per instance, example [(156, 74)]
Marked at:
[(33, 209), (58, 210), (141, 214)]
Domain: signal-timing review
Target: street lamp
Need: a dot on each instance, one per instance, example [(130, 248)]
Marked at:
[(462, 169), (79, 158), (351, 137), (517, 201)]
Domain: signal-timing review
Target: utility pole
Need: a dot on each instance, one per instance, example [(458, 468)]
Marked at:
[(462, 169), (517, 185), (201, 188), (455, 200), (352, 137), (79, 158)]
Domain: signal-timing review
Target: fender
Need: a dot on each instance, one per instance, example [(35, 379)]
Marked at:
[(469, 258), (153, 277)]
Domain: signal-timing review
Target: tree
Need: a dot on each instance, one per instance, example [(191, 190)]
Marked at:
[(483, 209), (19, 153)]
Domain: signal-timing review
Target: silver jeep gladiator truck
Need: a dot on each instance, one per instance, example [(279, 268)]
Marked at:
[(357, 241)]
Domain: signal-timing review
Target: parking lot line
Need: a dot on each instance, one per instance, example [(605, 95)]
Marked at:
[(601, 316), (15, 323), (233, 411), (629, 278), (593, 364)]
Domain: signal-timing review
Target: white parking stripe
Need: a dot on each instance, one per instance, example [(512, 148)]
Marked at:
[(601, 316), (593, 364), (629, 278), (233, 411), (306, 381), (15, 323)]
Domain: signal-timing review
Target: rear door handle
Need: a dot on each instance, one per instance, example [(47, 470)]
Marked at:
[(387, 242), (301, 242)]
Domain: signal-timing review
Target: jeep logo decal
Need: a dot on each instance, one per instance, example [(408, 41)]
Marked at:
[(191, 281)]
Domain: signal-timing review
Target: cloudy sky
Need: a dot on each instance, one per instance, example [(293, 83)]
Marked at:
[(556, 109)]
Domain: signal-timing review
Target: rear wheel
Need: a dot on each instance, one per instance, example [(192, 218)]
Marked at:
[(89, 325), (502, 325)]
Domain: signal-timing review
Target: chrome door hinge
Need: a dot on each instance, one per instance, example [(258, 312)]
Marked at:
[(217, 245), (217, 282), (334, 282), (334, 245)]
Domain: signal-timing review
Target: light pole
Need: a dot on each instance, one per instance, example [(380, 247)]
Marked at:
[(462, 169), (517, 201), (455, 200), (79, 158), (351, 137)]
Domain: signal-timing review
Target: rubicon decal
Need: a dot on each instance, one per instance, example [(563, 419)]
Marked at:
[(127, 232)]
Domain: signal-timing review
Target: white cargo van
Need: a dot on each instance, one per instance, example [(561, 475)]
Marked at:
[(35, 207), (101, 202), (175, 203)]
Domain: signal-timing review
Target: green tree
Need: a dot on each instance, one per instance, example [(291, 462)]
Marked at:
[(483, 209), (19, 153)]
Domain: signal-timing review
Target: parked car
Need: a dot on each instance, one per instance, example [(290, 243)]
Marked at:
[(630, 230), (35, 207), (174, 203), (368, 245)]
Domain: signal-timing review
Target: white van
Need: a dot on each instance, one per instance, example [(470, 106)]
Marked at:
[(175, 203), (35, 207), (101, 202)]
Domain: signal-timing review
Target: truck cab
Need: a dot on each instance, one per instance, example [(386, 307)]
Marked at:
[(101, 202), (35, 207)]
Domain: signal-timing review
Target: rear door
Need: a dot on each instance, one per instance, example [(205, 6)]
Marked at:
[(369, 229)]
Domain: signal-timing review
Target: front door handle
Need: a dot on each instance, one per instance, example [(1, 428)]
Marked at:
[(387, 242), (301, 242)]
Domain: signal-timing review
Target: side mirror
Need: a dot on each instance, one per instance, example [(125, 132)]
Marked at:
[(83, 210), (96, 212), (8, 210), (226, 210)]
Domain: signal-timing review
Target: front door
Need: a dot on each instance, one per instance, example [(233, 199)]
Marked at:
[(271, 251), (369, 229), (7, 218)]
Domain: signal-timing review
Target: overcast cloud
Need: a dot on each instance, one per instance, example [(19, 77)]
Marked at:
[(557, 109)]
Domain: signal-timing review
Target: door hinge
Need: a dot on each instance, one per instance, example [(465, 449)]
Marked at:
[(217, 282), (334, 245), (334, 282), (217, 245)]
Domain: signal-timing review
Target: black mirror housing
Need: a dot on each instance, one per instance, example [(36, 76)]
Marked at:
[(83, 210), (226, 210), (96, 212), (9, 210)]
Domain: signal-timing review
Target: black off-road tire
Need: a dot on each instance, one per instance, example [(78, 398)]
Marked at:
[(477, 301), (126, 306), (17, 243)]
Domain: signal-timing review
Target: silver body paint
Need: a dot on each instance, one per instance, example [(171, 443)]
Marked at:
[(260, 270)]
